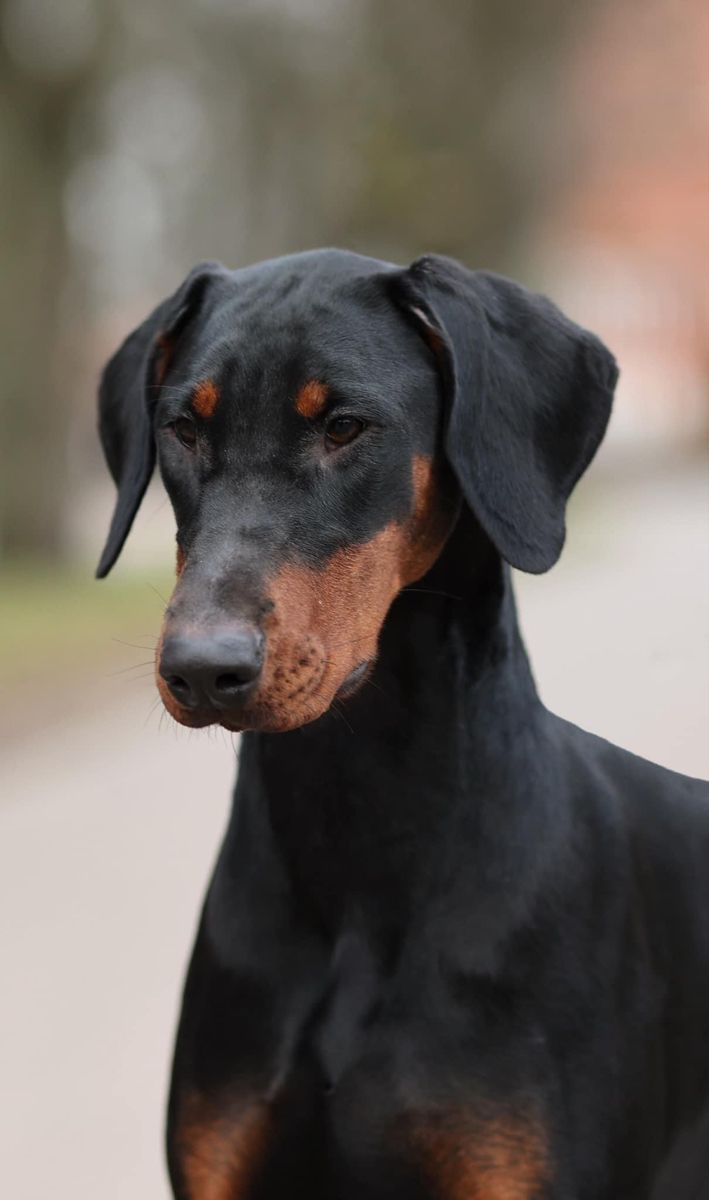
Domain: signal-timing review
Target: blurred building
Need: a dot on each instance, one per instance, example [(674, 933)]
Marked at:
[(563, 143), (624, 241)]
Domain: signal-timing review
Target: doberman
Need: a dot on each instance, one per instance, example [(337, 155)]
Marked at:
[(453, 947)]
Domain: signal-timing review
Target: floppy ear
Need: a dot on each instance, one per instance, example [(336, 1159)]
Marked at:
[(529, 396), (127, 395)]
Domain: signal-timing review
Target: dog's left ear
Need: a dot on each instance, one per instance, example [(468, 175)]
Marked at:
[(127, 396), (529, 396)]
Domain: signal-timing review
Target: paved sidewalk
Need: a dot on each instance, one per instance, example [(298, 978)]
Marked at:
[(107, 834), (109, 825)]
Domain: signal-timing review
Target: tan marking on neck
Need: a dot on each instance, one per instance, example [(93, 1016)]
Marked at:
[(311, 399), (205, 398)]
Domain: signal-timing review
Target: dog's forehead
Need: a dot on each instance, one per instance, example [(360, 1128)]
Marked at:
[(324, 317)]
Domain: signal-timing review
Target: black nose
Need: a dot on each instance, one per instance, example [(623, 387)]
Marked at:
[(215, 670)]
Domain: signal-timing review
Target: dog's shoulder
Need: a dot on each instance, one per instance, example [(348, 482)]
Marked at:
[(651, 825), (645, 794)]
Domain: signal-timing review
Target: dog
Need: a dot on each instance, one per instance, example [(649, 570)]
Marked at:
[(453, 947)]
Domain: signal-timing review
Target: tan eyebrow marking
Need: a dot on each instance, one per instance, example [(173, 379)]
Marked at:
[(311, 399), (205, 398)]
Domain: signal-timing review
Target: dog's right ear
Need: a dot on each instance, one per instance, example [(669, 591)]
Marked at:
[(127, 395)]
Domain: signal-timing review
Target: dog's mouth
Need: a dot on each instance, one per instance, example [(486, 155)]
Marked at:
[(297, 686), (354, 680), (303, 707)]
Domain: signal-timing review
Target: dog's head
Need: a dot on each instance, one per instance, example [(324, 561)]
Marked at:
[(318, 421)]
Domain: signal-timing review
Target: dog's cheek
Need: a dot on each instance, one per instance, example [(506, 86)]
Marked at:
[(294, 668), (341, 606), (431, 523)]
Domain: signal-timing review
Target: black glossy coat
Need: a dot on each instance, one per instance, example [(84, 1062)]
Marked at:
[(454, 947)]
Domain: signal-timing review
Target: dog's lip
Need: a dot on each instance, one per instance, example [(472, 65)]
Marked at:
[(354, 680), (236, 721), (196, 718), (230, 726)]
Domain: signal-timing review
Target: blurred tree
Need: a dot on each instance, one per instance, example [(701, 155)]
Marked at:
[(457, 134), (138, 137), (37, 102), (391, 126)]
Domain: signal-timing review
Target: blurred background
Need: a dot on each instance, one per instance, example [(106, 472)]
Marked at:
[(564, 144)]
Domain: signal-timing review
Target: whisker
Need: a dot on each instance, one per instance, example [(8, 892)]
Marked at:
[(353, 641), (378, 687), (151, 710), (157, 593), (134, 667), (414, 591), (134, 645), (157, 508), (338, 712), (181, 385)]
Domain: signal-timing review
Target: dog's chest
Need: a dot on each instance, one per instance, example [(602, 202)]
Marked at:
[(373, 1095)]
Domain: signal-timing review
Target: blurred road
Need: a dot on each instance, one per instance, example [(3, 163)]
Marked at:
[(109, 824), (107, 832)]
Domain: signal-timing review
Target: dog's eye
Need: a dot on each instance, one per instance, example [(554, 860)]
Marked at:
[(186, 432), (341, 430)]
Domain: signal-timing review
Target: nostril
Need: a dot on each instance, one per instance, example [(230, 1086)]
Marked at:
[(181, 688), (178, 685), (231, 681)]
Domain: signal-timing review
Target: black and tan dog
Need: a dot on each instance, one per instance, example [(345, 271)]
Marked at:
[(454, 947)]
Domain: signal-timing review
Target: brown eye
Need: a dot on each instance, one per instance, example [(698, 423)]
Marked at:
[(341, 430), (186, 431)]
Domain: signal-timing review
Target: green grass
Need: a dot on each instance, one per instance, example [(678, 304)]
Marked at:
[(51, 619)]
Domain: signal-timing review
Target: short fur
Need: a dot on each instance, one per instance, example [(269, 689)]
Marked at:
[(453, 947)]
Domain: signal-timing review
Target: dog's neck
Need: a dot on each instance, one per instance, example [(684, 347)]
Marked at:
[(437, 767)]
